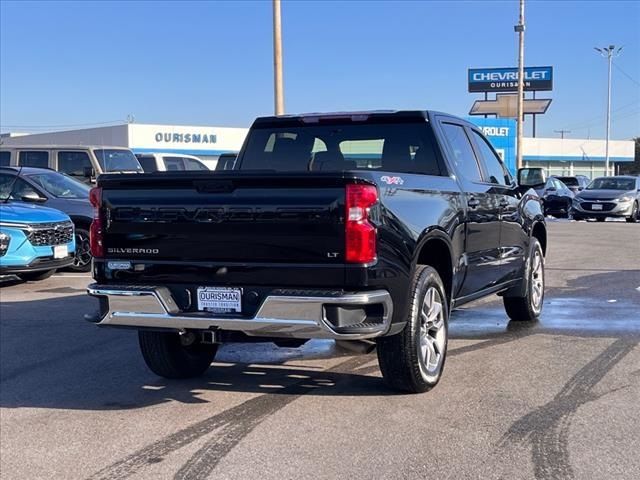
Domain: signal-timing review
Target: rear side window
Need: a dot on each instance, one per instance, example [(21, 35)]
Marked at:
[(495, 171), (463, 156), (73, 163), (33, 159), (6, 182), (173, 163), (226, 161), (339, 146), (148, 163), (14, 188), (5, 159), (192, 164), (569, 181)]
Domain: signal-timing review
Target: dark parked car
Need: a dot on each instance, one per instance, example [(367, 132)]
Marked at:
[(556, 197), (609, 197), (55, 190), (344, 226), (575, 183)]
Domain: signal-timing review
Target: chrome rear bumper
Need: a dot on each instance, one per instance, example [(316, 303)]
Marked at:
[(278, 316)]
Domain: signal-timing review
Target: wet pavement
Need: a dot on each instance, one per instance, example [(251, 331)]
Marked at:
[(554, 399)]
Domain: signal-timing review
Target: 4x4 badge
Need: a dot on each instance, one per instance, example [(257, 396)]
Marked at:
[(392, 180)]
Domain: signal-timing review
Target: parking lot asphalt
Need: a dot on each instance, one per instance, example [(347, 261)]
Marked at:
[(556, 399)]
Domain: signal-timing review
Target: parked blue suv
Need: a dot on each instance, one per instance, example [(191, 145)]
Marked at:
[(34, 241), (52, 189)]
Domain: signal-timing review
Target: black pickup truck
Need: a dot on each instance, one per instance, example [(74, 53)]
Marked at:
[(345, 226)]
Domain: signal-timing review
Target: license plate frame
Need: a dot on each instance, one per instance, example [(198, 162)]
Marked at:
[(219, 299), (60, 251), (596, 206)]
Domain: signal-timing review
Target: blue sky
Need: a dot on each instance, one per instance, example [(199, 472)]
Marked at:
[(210, 63)]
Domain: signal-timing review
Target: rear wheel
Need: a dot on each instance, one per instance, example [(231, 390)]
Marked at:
[(413, 360), (528, 307), (82, 259), (172, 355), (35, 276), (634, 214)]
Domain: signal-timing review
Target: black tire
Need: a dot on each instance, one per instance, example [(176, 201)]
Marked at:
[(403, 358), (600, 219), (36, 276), (167, 355), (82, 259), (634, 214), (529, 307)]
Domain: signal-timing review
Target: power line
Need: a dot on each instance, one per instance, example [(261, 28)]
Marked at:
[(594, 120), (562, 132), (626, 74)]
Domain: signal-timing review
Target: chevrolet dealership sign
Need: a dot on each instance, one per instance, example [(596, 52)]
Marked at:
[(506, 79)]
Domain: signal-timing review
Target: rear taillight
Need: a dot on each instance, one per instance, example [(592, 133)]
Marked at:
[(360, 238), (96, 232)]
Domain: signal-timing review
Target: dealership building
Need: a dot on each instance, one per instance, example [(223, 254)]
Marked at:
[(205, 142), (568, 156), (558, 156)]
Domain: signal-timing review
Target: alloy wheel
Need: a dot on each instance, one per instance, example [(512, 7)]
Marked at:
[(537, 281), (83, 250), (433, 333)]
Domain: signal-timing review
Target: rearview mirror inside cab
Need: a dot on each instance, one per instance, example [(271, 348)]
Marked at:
[(528, 177)]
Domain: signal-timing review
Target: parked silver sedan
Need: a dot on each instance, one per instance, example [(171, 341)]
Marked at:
[(608, 197)]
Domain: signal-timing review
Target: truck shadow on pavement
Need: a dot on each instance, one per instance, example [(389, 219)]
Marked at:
[(51, 358)]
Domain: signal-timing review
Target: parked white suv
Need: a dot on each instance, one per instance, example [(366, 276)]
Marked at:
[(162, 162), (83, 162)]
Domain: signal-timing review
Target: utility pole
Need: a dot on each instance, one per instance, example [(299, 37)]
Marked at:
[(519, 28), (277, 59), (562, 132), (608, 52)]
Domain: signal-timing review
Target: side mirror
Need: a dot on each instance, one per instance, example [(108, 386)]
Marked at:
[(32, 197), (89, 172), (529, 177)]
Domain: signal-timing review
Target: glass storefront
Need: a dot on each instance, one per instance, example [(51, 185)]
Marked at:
[(590, 169)]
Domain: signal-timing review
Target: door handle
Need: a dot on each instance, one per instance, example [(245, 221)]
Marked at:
[(473, 202)]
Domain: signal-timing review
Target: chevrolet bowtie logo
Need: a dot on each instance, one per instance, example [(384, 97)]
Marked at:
[(506, 106)]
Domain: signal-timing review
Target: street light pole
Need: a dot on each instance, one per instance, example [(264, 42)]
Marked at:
[(608, 52), (520, 30), (277, 59)]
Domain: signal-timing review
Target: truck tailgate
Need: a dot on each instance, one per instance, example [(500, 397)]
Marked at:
[(229, 218)]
